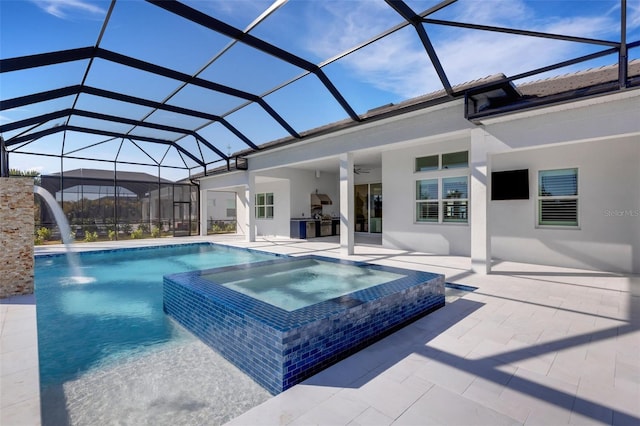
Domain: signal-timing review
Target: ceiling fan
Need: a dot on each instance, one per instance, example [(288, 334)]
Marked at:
[(361, 170)]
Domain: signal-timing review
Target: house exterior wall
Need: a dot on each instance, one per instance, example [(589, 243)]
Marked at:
[(608, 204), (400, 229), (302, 183), (218, 204), (600, 136), (279, 224), (16, 234)]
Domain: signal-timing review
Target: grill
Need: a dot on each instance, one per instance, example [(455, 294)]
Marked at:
[(325, 228)]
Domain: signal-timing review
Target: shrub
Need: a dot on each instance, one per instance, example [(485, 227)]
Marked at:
[(90, 237), (144, 228), (155, 232), (38, 240), (126, 228), (112, 234), (137, 234), (44, 234)]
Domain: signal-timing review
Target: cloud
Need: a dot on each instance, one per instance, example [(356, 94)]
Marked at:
[(400, 64), (62, 8)]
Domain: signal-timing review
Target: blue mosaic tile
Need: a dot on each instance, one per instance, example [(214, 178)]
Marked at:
[(280, 348)]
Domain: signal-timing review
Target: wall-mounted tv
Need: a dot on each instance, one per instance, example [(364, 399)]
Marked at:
[(510, 185)]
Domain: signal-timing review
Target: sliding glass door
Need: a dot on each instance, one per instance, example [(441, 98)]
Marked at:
[(368, 207)]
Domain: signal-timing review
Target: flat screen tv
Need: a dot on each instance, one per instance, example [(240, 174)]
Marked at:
[(510, 185)]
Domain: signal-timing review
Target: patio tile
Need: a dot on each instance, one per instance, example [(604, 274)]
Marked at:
[(18, 338), (24, 413), (371, 416), (549, 400), (623, 401), (11, 362), (446, 376), (339, 409), (19, 386), (442, 407), (487, 393), (387, 396), (287, 406), (587, 413)]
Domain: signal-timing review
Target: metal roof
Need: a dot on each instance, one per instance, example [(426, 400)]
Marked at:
[(198, 84)]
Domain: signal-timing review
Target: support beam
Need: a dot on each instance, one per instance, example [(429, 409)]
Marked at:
[(482, 144), (4, 159), (623, 58), (53, 130), (204, 221), (221, 27), (347, 207), (479, 218), (251, 207), (416, 20)]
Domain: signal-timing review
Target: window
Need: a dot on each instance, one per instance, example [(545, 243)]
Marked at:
[(231, 208), (427, 200), (558, 197), (443, 197), (455, 199), (450, 204), (455, 160), (264, 205), (424, 164), (451, 160)]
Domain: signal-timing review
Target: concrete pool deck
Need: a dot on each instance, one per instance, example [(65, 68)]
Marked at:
[(532, 345)]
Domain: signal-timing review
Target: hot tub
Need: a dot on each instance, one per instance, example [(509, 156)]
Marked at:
[(283, 320)]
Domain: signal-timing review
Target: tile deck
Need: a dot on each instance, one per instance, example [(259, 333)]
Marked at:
[(532, 345)]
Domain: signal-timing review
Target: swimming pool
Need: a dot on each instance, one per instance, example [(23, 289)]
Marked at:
[(108, 342), (283, 320)]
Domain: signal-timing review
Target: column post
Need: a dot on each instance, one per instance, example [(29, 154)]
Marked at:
[(251, 208), (347, 209), (204, 218), (480, 179)]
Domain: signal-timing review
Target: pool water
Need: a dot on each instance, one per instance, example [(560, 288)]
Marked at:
[(297, 283), (114, 314)]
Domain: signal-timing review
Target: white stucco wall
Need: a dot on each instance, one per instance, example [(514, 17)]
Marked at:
[(218, 203), (609, 208), (400, 230), (600, 136), (279, 224)]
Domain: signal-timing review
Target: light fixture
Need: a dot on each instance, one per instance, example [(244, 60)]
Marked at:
[(317, 174)]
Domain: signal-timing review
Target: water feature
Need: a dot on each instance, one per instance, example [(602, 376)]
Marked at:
[(65, 233)]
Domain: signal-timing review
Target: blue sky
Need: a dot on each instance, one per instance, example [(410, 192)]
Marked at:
[(391, 70)]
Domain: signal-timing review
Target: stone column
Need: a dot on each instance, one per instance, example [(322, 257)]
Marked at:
[(16, 236)]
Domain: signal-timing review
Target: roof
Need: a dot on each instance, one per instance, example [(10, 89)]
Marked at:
[(109, 175), (194, 82), (539, 89), (578, 80)]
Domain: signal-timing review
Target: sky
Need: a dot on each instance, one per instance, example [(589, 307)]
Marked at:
[(388, 71)]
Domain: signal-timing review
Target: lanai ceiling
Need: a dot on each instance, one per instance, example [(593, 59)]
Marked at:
[(185, 86)]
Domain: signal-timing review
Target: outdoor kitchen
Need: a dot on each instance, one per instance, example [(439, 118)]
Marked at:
[(320, 223)]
